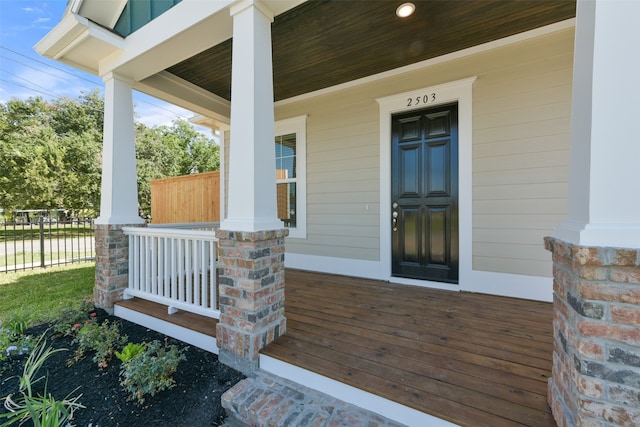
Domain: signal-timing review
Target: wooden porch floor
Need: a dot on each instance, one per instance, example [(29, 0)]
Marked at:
[(474, 360)]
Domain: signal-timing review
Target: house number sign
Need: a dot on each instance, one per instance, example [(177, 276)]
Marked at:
[(421, 100)]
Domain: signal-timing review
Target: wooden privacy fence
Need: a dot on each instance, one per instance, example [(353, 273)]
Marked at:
[(187, 198)]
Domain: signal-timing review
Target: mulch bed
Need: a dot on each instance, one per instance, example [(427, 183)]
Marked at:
[(194, 401)]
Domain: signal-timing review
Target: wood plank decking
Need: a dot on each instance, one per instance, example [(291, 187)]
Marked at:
[(475, 360), (195, 322)]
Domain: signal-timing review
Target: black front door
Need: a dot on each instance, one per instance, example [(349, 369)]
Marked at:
[(424, 194)]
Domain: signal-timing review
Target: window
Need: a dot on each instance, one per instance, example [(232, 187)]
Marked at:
[(290, 145)]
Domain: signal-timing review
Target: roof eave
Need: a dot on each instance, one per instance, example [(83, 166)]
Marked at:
[(78, 42)]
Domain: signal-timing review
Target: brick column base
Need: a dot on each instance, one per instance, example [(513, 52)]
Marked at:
[(112, 264), (251, 288), (596, 357)]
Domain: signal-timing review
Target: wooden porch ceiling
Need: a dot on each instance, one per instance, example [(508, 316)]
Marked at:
[(324, 43)]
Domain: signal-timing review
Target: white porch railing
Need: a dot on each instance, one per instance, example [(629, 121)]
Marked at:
[(174, 266)]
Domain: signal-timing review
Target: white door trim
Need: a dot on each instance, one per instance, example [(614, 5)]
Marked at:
[(459, 91)]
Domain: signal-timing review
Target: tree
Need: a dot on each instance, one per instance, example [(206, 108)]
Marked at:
[(50, 153), (164, 151)]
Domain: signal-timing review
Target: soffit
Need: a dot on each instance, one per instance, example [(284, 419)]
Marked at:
[(319, 44)]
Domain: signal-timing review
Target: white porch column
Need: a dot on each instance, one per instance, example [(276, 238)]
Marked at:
[(119, 193), (252, 204), (604, 183), (596, 251), (251, 237)]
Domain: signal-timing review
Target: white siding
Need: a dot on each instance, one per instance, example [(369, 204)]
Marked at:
[(521, 108)]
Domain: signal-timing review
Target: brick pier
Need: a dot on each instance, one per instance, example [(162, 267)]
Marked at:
[(251, 289), (112, 264), (596, 359)]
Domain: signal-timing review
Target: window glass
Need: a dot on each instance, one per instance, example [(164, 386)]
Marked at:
[(286, 178)]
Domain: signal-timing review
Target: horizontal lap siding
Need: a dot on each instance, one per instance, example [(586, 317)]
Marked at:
[(521, 106), (521, 141), (342, 177)]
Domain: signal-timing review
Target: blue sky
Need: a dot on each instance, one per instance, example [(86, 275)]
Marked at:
[(24, 73)]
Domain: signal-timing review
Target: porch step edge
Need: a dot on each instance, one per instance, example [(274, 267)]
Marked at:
[(265, 399), (397, 412), (195, 338)]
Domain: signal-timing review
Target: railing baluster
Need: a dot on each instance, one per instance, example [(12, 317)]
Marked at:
[(154, 265), (197, 274), (181, 273), (136, 266), (175, 267), (188, 262), (213, 275), (174, 273)]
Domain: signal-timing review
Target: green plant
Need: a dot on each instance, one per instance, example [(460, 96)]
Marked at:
[(70, 319), (43, 410), (102, 338), (151, 370), (18, 322), (129, 352)]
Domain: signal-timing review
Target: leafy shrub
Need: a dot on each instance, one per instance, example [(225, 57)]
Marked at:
[(150, 371), (69, 321), (102, 338), (130, 351), (43, 410)]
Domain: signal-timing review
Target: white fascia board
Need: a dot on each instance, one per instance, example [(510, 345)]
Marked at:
[(68, 29), (175, 90), (78, 42), (186, 29)]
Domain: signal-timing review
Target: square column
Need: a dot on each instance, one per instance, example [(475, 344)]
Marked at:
[(252, 203), (596, 250), (251, 286), (118, 194)]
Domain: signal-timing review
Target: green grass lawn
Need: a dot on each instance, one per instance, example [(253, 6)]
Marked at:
[(40, 295)]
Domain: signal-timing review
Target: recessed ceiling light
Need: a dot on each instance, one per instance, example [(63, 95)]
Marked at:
[(405, 9)]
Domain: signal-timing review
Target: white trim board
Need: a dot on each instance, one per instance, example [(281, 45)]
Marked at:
[(333, 265), (194, 338), (369, 401), (535, 288)]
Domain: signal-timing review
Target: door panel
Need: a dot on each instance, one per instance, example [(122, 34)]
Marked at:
[(424, 195)]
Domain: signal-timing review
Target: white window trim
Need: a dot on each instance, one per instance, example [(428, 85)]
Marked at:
[(298, 125)]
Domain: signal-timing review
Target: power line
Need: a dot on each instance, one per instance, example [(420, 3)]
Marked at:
[(45, 64), (25, 87), (173, 114), (23, 79)]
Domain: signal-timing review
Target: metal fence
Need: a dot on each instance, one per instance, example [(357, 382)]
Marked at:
[(45, 242)]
